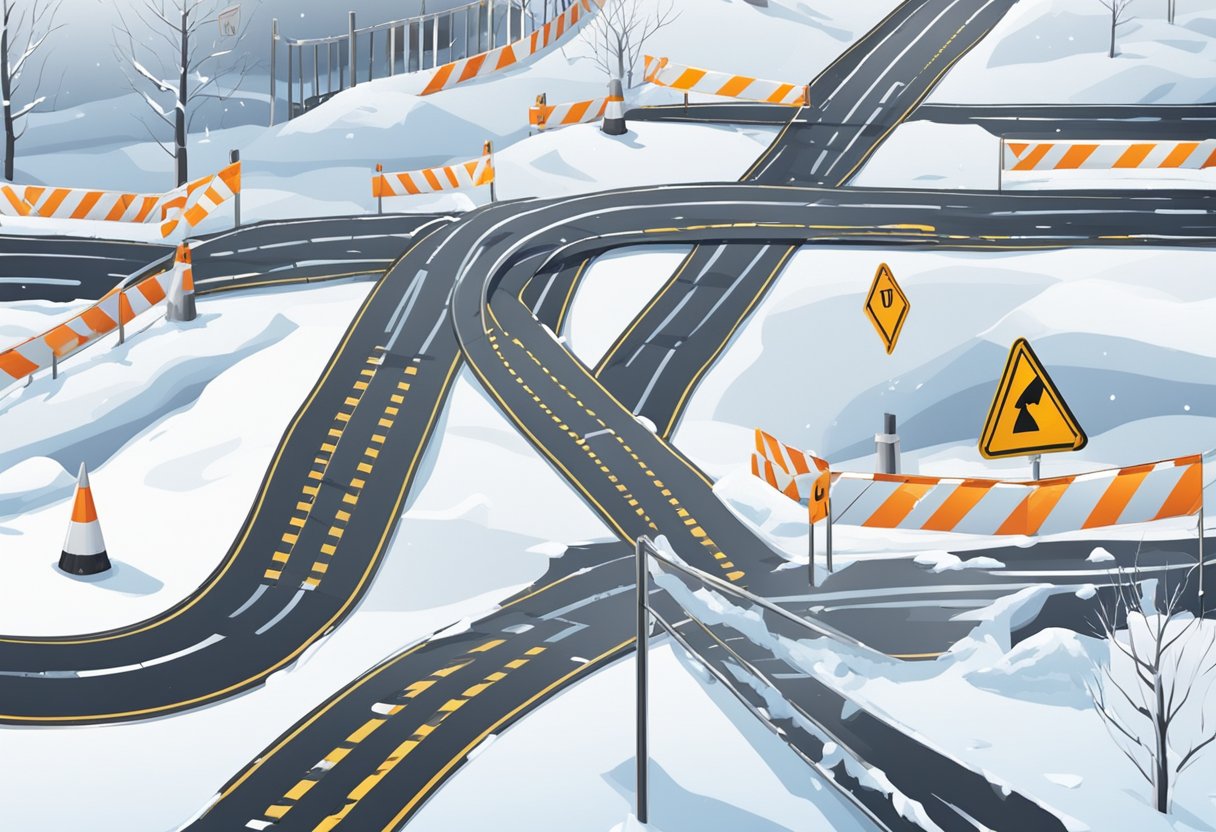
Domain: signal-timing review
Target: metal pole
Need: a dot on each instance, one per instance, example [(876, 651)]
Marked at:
[(234, 156), (642, 759), (1202, 598), (54, 365), (371, 54), (122, 327), (810, 558), (380, 198), (829, 533), (300, 72), (341, 68), (489, 151), (1000, 167), (274, 39), (392, 51), (316, 70), (351, 51), (435, 41), (490, 24), (1035, 468), (289, 83)]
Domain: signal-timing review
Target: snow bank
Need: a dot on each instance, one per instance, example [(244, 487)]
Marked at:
[(584, 778), (166, 424), (1122, 333), (922, 154), (612, 292), (1055, 51)]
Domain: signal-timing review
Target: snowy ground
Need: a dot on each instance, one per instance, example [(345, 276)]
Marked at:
[(1055, 52), (713, 765), (1022, 715), (1122, 333), (320, 163)]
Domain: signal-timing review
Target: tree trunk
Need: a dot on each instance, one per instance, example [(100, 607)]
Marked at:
[(1114, 21), (1161, 774), (6, 84), (179, 120)]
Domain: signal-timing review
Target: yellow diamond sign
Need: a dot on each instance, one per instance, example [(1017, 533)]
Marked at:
[(887, 307)]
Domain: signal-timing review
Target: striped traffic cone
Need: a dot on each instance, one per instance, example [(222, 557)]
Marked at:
[(614, 113), (84, 551), (179, 305)]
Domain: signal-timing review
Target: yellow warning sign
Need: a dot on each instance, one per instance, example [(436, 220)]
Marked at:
[(1028, 414), (817, 505), (887, 307)]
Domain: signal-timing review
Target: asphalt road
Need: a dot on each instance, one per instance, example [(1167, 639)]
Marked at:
[(1083, 121), (261, 254), (872, 87), (307, 550)]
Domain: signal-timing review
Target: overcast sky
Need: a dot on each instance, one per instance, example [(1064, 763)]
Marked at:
[(82, 53)]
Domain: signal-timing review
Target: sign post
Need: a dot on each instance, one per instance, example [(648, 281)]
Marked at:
[(1028, 416), (642, 758)]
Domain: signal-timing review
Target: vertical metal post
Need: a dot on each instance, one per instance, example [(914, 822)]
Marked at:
[(380, 198), (1202, 598), (300, 73), (490, 24), (1000, 167), (316, 70), (510, 9), (1035, 467), (887, 446), (54, 364), (642, 759), (435, 41), (464, 49), (122, 327), (329, 68), (341, 67), (829, 533), (392, 51), (234, 156), (274, 40), (489, 151), (351, 52), (289, 83), (810, 552), (371, 53)]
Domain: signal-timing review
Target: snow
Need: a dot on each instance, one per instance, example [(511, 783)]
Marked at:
[(939, 562), (1013, 713), (169, 416), (585, 778), (1100, 555), (611, 293), (1055, 52), (924, 154), (1094, 319)]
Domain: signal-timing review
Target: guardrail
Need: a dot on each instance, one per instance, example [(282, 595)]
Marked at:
[(900, 782), (319, 68)]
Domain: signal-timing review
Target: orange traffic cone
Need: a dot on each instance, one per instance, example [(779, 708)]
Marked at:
[(180, 305), (84, 551)]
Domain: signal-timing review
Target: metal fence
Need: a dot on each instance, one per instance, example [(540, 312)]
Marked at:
[(742, 640), (319, 68)]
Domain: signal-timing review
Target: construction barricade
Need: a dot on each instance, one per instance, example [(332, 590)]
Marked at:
[(975, 505), (471, 174), (1019, 156), (191, 203), (115, 310), (663, 73), (478, 66), (545, 116)]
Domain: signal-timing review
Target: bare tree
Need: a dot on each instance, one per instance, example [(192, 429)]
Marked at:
[(20, 39), (171, 60), (1171, 664), (1117, 9), (618, 34)]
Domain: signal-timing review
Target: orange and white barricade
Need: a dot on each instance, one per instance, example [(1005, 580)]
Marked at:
[(1108, 155), (471, 174), (117, 308), (545, 116), (1116, 496), (478, 66), (192, 202), (663, 73), (785, 468)]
